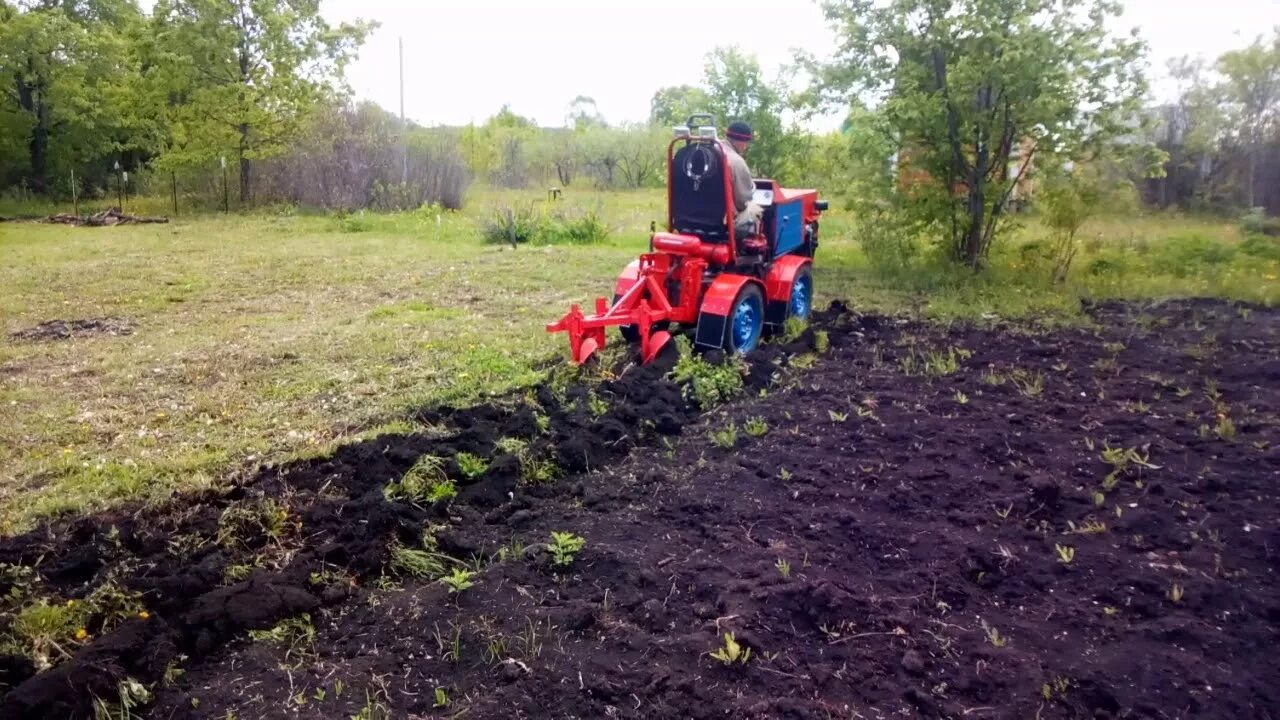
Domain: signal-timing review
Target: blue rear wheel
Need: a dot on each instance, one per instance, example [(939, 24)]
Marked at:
[(746, 320), (800, 304)]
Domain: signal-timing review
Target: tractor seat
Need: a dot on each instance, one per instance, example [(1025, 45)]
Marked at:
[(698, 193)]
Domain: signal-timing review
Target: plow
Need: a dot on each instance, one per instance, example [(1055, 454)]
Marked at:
[(706, 274)]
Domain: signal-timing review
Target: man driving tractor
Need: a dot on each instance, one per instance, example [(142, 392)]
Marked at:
[(746, 213)]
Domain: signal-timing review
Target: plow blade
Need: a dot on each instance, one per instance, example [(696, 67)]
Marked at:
[(587, 332)]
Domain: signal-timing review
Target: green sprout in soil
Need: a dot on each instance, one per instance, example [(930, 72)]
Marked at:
[(442, 698), (449, 646), (473, 466), (1066, 553), (1120, 459), (993, 378), (1176, 593), (1004, 514), (756, 427), (837, 417), (731, 653), (458, 580), (961, 398), (784, 474), (563, 547), (784, 568), (726, 437), (1058, 686), (993, 636), (1226, 428)]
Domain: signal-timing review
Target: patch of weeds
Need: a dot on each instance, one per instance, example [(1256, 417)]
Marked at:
[(731, 652), (373, 709), (706, 384), (1057, 687), (1029, 384), (239, 525), (458, 580), (725, 437), (472, 466), (793, 328), (537, 471), (595, 405), (511, 445), (564, 546), (804, 362), (233, 573), (297, 636), (756, 427), (821, 342), (932, 363), (424, 483), (130, 695), (412, 562), (993, 378), (784, 568), (42, 631)]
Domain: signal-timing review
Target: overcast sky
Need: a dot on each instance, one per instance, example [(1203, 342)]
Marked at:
[(464, 59)]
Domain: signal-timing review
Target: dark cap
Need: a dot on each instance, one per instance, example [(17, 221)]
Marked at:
[(739, 131)]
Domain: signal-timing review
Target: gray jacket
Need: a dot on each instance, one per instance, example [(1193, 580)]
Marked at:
[(743, 186)]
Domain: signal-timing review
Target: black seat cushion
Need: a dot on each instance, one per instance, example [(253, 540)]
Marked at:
[(697, 192)]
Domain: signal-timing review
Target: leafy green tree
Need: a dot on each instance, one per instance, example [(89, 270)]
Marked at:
[(976, 90), (671, 106), (738, 90), (584, 114), (1252, 91), (244, 74), (66, 69)]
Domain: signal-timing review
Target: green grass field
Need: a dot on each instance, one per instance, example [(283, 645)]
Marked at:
[(264, 337)]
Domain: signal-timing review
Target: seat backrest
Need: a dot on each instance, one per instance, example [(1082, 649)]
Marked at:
[(697, 191)]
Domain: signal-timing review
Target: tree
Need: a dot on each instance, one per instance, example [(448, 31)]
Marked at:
[(641, 154), (584, 114), (672, 106), (737, 90), (244, 74), (1252, 91), (63, 69), (970, 86)]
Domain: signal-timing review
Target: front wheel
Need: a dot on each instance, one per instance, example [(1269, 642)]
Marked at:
[(746, 320)]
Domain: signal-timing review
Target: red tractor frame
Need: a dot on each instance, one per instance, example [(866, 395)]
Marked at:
[(699, 273)]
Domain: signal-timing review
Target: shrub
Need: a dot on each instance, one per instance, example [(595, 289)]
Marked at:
[(1256, 222), (512, 226), (1261, 247), (1183, 255)]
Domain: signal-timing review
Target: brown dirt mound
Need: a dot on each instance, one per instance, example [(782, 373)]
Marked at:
[(67, 329)]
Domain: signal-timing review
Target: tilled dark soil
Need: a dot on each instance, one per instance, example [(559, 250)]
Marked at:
[(926, 529), (67, 329)]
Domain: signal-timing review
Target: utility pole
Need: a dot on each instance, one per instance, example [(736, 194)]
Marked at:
[(404, 128)]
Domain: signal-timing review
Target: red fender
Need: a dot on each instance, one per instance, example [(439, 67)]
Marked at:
[(717, 303), (777, 286), (628, 277)]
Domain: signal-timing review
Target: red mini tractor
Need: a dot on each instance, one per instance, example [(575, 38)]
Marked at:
[(701, 273)]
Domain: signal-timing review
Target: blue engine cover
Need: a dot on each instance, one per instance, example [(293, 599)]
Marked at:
[(788, 229)]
